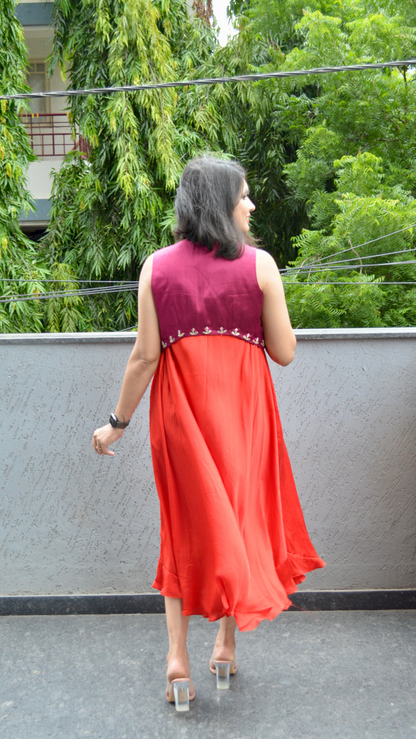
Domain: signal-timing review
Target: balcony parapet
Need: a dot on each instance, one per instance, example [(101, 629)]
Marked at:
[(129, 337), (51, 135)]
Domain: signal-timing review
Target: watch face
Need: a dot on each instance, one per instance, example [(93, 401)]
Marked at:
[(113, 420)]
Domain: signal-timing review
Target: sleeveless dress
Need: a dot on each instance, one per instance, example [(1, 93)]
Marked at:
[(233, 536)]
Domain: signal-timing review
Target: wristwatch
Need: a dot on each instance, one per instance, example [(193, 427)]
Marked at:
[(116, 424)]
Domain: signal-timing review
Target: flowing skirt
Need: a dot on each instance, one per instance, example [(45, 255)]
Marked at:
[(233, 536)]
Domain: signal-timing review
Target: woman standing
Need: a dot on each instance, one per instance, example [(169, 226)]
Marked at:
[(233, 538)]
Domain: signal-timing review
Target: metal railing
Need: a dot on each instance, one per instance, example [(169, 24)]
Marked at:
[(51, 135)]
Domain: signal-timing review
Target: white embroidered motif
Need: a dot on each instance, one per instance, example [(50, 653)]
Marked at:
[(221, 331)]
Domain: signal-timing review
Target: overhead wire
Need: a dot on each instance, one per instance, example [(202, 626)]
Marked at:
[(74, 279), (327, 265), (121, 286), (351, 248), (68, 293), (208, 80), (342, 267), (379, 283)]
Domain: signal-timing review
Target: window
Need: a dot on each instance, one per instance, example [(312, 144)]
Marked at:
[(37, 80)]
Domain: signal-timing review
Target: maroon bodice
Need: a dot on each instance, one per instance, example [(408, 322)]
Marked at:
[(196, 293)]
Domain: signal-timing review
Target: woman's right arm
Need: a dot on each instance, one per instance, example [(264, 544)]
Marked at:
[(141, 366), (279, 336)]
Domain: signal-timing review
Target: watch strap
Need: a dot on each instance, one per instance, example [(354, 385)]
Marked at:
[(116, 424)]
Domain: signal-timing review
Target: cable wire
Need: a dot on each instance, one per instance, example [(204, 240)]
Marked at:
[(329, 268), (308, 267), (69, 293), (208, 80), (352, 248), (74, 279), (373, 282)]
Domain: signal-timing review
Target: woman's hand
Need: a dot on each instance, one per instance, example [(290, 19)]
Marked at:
[(103, 437)]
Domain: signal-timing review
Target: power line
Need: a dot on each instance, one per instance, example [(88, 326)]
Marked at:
[(74, 280), (373, 282), (209, 80), (69, 293), (350, 248), (87, 293), (329, 268), (308, 268)]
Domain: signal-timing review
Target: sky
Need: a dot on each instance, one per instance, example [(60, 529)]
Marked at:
[(220, 12)]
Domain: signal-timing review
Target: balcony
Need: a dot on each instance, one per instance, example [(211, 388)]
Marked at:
[(51, 135)]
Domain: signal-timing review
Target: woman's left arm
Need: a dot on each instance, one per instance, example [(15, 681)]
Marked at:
[(141, 365)]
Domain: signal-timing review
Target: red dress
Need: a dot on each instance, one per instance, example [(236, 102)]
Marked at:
[(233, 537)]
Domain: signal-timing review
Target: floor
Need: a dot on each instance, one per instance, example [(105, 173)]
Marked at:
[(307, 675)]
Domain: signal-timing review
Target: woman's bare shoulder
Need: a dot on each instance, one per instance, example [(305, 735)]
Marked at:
[(146, 270), (266, 267)]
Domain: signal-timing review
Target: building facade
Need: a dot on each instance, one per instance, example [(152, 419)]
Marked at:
[(47, 124)]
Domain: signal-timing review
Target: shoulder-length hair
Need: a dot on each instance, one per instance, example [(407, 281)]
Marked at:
[(208, 192)]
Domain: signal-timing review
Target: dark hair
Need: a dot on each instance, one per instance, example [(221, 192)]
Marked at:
[(208, 192)]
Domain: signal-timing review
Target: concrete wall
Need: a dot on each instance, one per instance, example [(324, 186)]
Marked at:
[(73, 522)]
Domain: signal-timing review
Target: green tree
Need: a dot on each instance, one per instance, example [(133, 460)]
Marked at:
[(351, 198), (24, 268), (19, 258), (338, 277), (112, 209)]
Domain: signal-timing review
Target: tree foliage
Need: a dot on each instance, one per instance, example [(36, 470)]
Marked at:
[(331, 159), (113, 209), (19, 259)]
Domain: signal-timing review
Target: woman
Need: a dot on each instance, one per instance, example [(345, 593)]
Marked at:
[(233, 538)]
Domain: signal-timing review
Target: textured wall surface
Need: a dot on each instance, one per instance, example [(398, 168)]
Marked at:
[(72, 522)]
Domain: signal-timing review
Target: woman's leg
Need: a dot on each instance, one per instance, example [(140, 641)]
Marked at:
[(224, 648), (177, 659)]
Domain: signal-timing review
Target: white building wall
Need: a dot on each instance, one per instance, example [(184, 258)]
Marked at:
[(39, 39)]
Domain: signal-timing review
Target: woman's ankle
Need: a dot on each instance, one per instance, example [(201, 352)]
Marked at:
[(177, 665)]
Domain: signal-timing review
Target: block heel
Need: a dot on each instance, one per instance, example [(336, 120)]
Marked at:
[(178, 693)]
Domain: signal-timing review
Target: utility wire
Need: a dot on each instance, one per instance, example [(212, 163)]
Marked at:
[(74, 280), (329, 268), (351, 248), (87, 293), (68, 293), (209, 80), (373, 282), (307, 267)]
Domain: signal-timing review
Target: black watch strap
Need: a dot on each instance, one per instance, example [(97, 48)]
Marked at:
[(116, 424)]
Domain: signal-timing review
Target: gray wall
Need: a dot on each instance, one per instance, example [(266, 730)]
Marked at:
[(73, 522)]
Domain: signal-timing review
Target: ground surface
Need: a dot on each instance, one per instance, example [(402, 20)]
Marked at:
[(307, 675)]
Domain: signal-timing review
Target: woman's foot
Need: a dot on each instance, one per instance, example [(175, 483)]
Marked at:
[(178, 667), (224, 648), (177, 659)]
